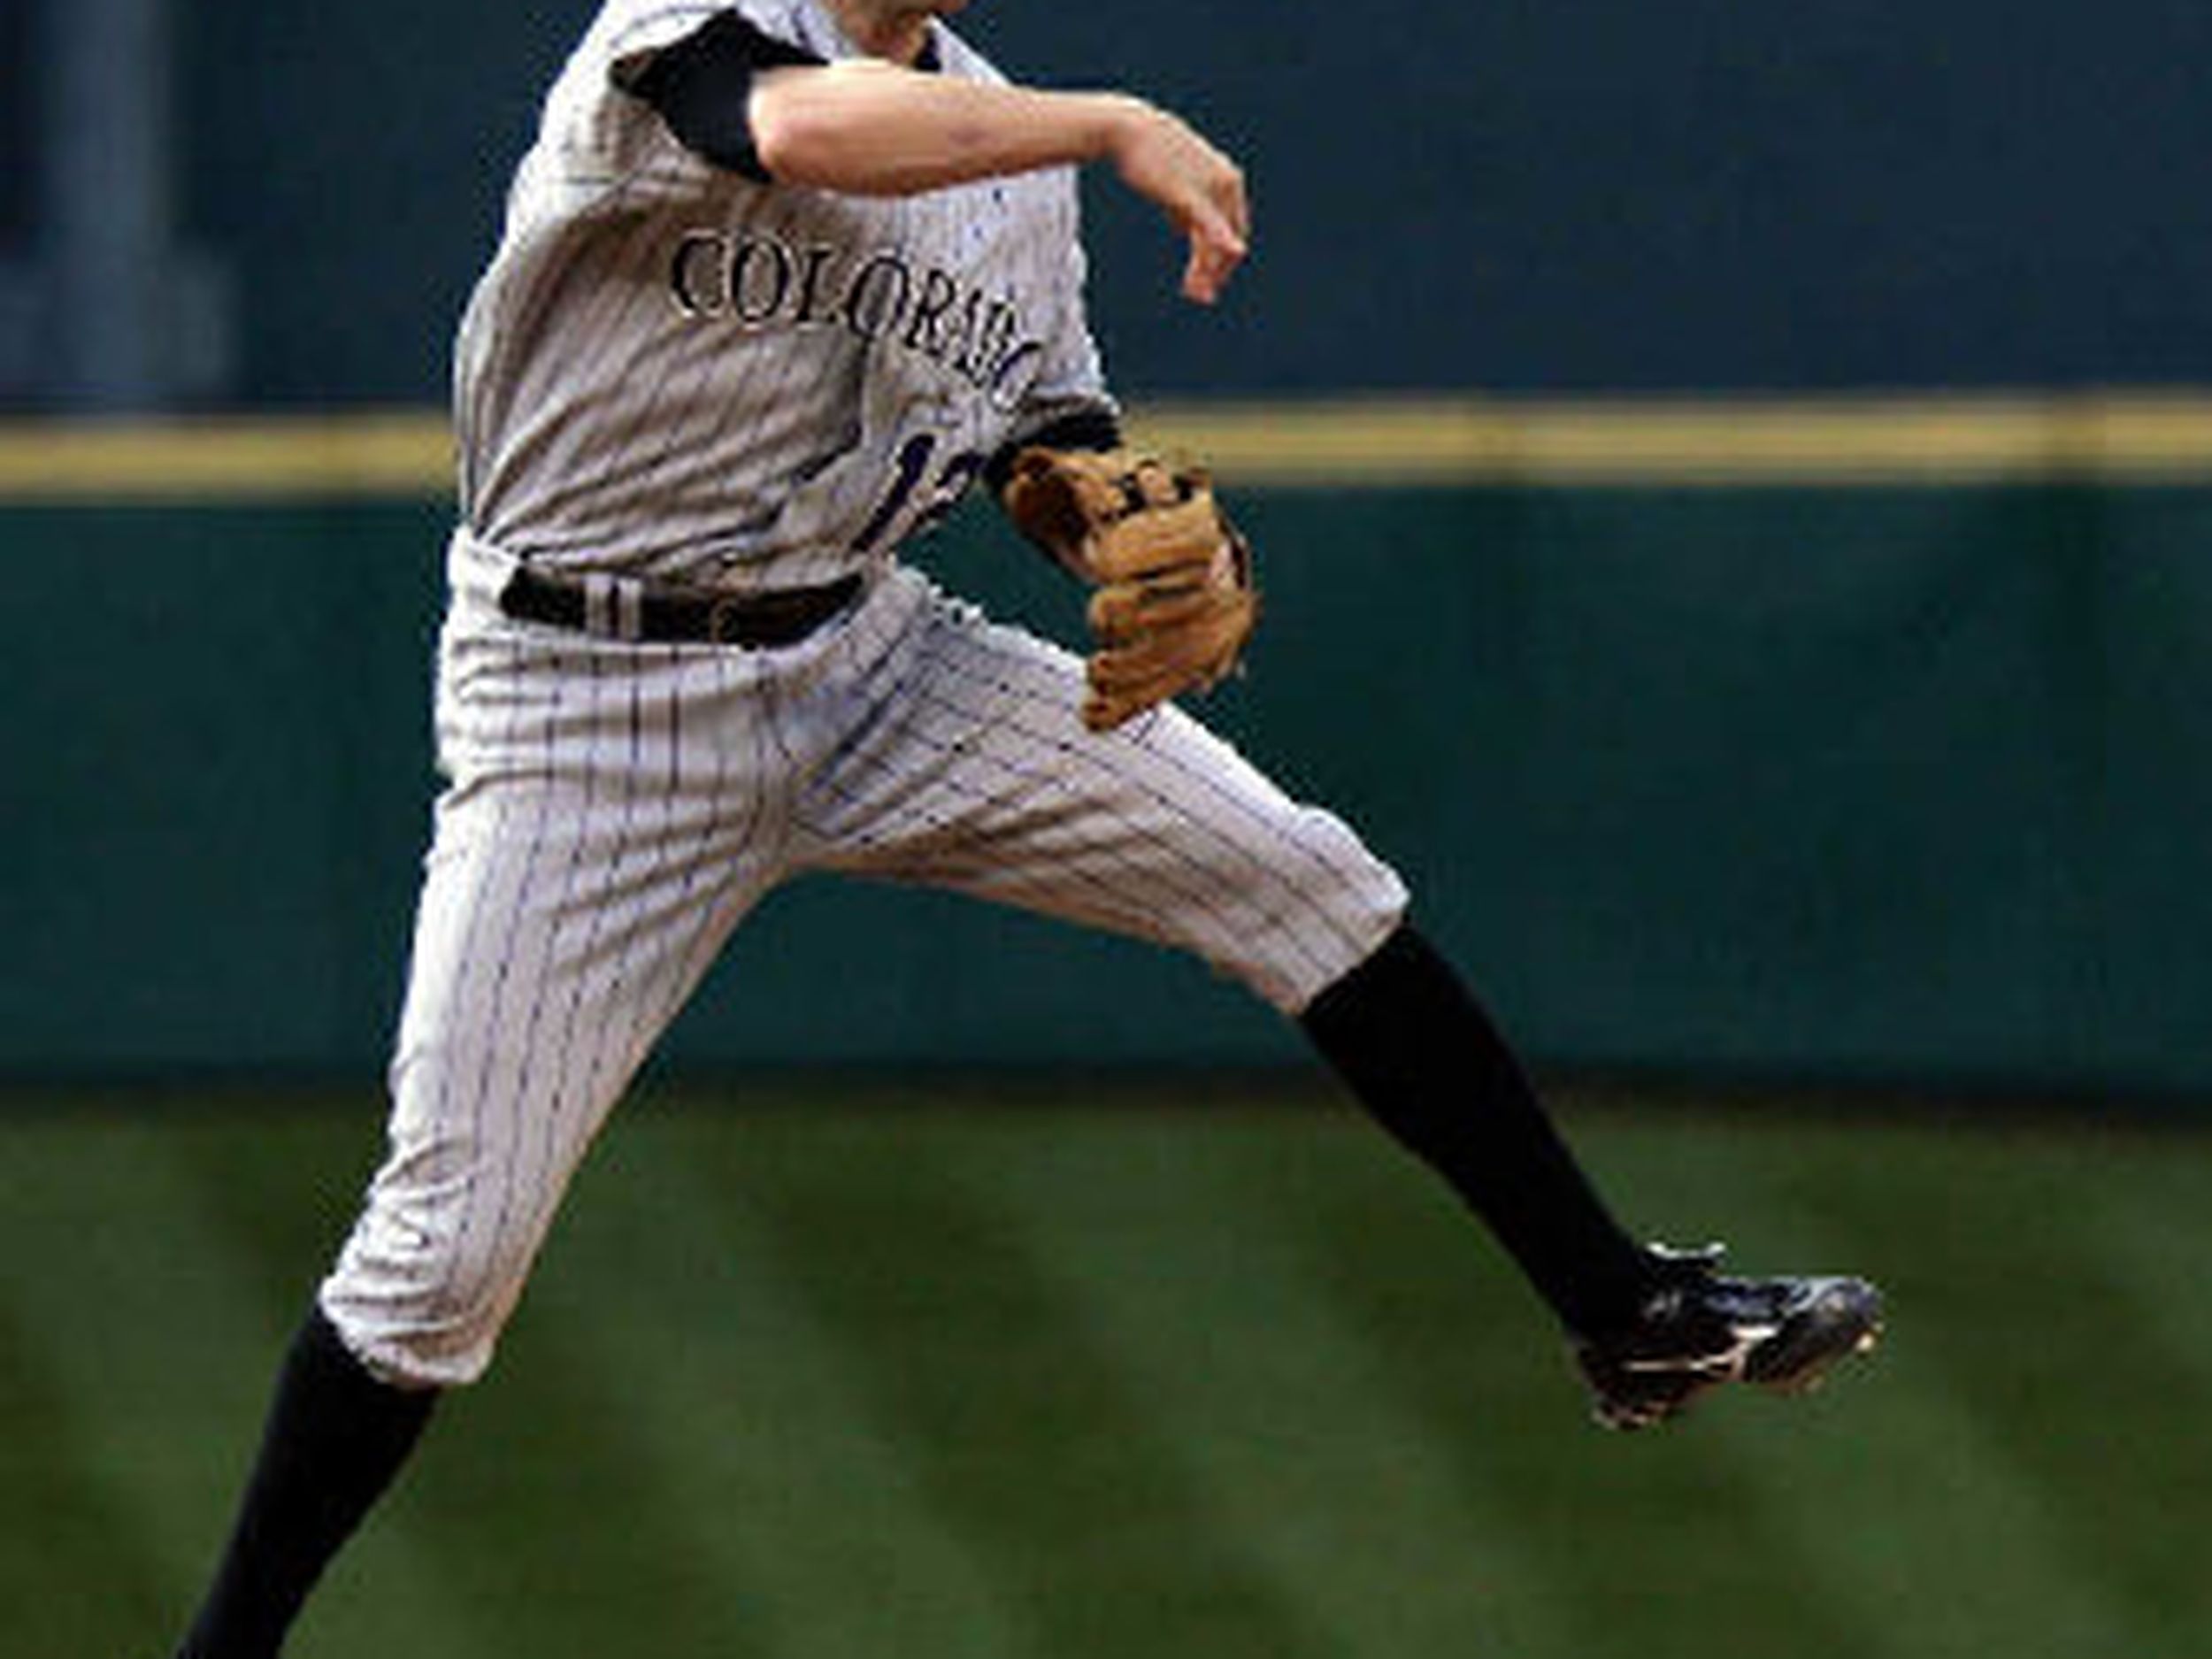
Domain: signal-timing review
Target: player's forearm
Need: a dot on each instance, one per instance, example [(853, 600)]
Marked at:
[(872, 129)]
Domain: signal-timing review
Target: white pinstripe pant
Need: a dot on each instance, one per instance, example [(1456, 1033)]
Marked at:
[(613, 811)]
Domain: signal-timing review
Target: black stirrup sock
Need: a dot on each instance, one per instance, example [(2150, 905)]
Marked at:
[(1424, 1058), (334, 1438)]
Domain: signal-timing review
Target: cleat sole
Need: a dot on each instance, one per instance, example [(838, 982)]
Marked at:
[(1842, 1319)]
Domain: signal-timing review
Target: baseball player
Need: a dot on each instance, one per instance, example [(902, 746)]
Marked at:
[(781, 282)]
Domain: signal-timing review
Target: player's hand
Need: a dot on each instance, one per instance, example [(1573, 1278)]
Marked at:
[(1201, 191)]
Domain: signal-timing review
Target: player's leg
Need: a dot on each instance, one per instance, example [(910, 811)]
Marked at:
[(588, 863), (1413, 1042), (1653, 1329), (989, 786), (335, 1437)]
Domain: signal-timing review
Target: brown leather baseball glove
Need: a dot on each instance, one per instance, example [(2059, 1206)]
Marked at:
[(1175, 600)]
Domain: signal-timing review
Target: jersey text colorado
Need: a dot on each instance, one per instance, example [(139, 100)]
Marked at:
[(759, 283)]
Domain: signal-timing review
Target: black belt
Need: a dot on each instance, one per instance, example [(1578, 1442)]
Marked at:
[(677, 615)]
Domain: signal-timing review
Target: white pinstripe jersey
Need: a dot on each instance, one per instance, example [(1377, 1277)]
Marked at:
[(672, 371), (668, 371)]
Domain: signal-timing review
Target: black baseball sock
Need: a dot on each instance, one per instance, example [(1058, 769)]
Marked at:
[(1425, 1059), (334, 1438)]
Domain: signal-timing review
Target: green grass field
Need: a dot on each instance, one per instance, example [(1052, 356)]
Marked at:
[(1049, 1378)]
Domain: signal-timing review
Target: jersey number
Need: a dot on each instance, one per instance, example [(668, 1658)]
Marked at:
[(949, 484)]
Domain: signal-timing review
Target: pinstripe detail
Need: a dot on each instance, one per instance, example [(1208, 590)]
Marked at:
[(984, 783), (711, 922), (490, 1105)]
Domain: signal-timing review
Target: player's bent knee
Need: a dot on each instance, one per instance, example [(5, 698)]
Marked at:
[(419, 1300), (410, 1339), (1338, 911)]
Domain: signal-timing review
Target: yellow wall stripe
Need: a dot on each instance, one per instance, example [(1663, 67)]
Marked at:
[(386, 455), (2117, 437), (1700, 442)]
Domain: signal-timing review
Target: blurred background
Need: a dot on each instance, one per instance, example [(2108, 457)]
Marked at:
[(1733, 484)]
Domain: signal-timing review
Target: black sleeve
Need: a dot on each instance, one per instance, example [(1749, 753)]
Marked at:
[(701, 85), (1088, 429)]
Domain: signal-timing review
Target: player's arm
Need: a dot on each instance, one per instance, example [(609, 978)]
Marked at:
[(876, 129), (764, 108)]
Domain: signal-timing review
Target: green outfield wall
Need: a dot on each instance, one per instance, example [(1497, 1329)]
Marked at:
[(1807, 779)]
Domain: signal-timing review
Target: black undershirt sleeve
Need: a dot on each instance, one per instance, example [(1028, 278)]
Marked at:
[(701, 87), (1083, 429), (1087, 429)]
